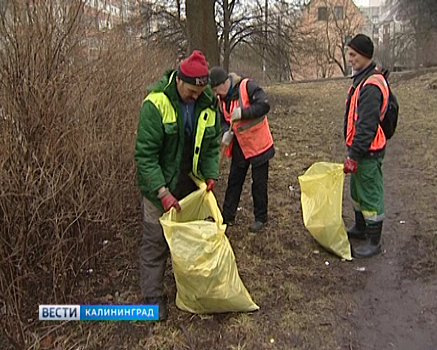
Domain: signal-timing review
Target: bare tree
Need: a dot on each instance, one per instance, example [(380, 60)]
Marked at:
[(164, 21), (267, 27), (277, 40), (421, 16), (183, 25), (328, 29), (398, 52), (225, 9), (236, 22)]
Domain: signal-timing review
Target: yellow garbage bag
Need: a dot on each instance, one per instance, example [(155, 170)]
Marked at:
[(204, 267), (321, 197)]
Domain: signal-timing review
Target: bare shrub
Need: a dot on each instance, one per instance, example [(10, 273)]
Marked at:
[(67, 133)]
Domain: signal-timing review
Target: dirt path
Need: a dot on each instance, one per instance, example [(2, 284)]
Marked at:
[(396, 310)]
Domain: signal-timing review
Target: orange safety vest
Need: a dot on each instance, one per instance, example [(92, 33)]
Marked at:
[(253, 135), (379, 141)]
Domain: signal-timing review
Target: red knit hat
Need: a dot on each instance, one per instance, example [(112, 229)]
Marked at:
[(194, 69)]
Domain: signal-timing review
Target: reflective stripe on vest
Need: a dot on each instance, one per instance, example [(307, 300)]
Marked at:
[(253, 135), (379, 141), (168, 114), (206, 119)]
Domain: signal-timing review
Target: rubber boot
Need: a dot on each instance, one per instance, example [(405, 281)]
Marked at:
[(358, 230), (372, 245)]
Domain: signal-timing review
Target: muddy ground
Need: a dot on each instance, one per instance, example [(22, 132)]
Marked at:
[(397, 308), (388, 302)]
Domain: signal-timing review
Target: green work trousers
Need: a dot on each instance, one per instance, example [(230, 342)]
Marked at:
[(367, 191)]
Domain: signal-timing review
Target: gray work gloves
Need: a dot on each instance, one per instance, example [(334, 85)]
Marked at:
[(227, 137), (236, 114)]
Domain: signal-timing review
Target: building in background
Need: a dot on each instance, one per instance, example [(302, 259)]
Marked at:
[(398, 44), (326, 27), (372, 15)]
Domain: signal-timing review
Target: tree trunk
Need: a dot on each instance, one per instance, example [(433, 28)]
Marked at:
[(226, 43), (202, 30), (266, 19)]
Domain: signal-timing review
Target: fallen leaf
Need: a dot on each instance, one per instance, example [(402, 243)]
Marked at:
[(47, 342)]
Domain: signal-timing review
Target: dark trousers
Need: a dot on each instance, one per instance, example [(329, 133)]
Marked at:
[(236, 179)]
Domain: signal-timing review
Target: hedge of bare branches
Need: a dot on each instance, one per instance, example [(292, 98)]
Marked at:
[(68, 117)]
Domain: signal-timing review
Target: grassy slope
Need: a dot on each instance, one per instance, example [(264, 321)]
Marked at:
[(303, 301)]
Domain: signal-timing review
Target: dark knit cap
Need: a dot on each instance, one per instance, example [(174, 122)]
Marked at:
[(194, 69), (362, 44), (217, 76)]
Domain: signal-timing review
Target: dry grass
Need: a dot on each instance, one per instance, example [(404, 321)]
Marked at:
[(417, 164), (68, 203), (66, 184)]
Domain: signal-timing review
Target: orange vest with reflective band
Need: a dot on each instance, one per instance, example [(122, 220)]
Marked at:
[(379, 141), (253, 135)]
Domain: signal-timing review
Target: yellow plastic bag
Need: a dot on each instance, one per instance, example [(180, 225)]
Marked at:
[(321, 197), (206, 274)]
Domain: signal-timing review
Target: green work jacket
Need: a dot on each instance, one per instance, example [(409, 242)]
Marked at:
[(160, 138)]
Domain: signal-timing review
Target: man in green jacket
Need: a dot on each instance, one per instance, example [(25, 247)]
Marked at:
[(178, 134)]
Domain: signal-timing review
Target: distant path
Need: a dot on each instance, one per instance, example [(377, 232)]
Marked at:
[(394, 311)]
